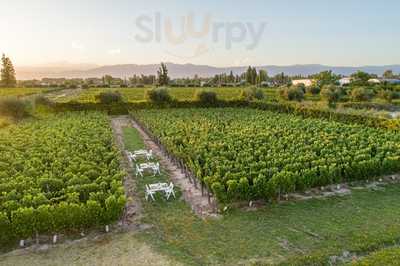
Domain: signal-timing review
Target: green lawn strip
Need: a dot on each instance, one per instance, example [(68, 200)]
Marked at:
[(292, 232), (132, 139)]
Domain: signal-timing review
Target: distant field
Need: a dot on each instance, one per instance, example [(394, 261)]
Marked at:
[(21, 91), (180, 93)]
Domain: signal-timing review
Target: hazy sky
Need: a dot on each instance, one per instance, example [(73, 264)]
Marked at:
[(256, 32)]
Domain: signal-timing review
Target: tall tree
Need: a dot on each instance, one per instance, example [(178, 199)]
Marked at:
[(8, 78), (162, 73), (251, 75), (262, 76), (281, 79)]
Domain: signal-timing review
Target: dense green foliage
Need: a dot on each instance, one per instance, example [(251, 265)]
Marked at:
[(246, 154), (59, 174), (389, 256)]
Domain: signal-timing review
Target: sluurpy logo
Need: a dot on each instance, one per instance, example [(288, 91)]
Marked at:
[(197, 35)]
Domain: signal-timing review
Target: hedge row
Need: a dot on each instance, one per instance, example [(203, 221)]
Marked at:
[(282, 107)]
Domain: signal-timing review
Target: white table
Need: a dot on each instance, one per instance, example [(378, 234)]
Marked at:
[(154, 167), (152, 189), (141, 153)]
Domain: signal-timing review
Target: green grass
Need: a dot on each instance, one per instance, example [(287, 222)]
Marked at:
[(111, 249), (132, 139), (364, 221), (387, 257), (5, 92)]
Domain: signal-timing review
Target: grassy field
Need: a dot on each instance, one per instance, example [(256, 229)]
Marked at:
[(4, 92), (111, 249)]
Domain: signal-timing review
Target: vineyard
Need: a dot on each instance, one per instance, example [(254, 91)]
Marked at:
[(58, 174), (244, 154)]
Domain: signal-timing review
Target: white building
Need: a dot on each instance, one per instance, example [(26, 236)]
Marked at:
[(305, 82), (344, 81), (374, 81)]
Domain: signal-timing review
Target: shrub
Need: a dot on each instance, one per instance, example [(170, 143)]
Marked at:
[(109, 97), (252, 93), (206, 96), (361, 94), (386, 95), (313, 90), (158, 95), (13, 107), (293, 93), (301, 86), (331, 93)]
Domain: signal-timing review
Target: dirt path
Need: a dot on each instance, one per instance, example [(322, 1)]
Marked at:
[(133, 209), (201, 205)]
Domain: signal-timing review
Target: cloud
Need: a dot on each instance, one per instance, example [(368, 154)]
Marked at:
[(76, 45), (114, 51)]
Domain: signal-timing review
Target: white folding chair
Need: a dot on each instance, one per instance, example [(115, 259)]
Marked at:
[(149, 155), (139, 171), (149, 193), (156, 168), (170, 191)]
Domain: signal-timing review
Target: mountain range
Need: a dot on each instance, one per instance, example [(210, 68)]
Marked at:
[(66, 70)]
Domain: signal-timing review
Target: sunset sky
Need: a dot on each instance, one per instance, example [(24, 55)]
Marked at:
[(341, 32)]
